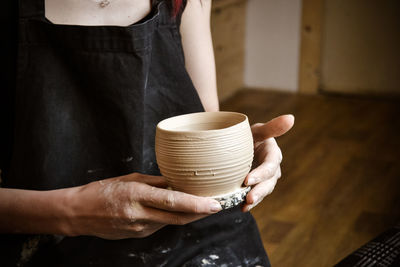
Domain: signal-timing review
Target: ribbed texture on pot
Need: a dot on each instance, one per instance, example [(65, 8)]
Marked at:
[(207, 153)]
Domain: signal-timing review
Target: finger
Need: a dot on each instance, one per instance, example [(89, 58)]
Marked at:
[(271, 156), (259, 192), (133, 230), (169, 217), (177, 201), (157, 181), (148, 232), (263, 189), (274, 128), (143, 229)]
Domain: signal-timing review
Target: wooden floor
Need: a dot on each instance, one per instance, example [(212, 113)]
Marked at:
[(340, 185)]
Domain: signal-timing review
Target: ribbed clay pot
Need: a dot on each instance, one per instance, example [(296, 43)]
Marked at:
[(206, 153)]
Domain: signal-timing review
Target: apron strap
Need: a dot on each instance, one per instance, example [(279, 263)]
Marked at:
[(31, 8), (155, 2)]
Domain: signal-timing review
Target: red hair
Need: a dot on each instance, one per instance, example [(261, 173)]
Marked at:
[(177, 7)]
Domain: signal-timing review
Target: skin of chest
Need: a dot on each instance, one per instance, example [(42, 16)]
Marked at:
[(96, 12)]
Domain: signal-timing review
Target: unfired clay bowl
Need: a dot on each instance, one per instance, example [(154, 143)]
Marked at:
[(206, 153)]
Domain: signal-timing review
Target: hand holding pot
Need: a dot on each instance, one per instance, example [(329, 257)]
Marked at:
[(132, 206), (267, 158)]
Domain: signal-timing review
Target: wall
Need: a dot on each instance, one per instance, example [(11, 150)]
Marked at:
[(360, 51), (272, 44)]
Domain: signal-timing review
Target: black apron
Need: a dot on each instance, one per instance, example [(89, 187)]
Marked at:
[(87, 102)]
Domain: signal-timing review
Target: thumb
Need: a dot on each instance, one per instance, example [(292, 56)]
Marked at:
[(273, 128)]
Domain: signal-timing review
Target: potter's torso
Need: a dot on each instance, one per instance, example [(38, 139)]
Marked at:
[(96, 12)]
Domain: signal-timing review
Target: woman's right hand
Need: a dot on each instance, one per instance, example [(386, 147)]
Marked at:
[(131, 206)]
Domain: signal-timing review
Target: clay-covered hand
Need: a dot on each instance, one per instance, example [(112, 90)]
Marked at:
[(132, 206), (267, 159)]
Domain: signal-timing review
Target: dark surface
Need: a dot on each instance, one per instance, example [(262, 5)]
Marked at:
[(382, 251)]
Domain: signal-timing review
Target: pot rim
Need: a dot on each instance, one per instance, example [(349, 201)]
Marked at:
[(205, 117)]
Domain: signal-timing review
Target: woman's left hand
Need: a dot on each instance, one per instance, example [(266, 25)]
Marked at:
[(267, 159)]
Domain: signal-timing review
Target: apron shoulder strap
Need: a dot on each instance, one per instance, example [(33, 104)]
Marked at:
[(155, 2)]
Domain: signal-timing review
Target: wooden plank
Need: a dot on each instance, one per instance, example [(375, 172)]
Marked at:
[(228, 20), (216, 4), (310, 51)]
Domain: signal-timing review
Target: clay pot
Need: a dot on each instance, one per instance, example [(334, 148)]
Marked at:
[(206, 153)]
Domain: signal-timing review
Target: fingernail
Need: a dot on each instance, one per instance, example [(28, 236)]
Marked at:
[(215, 207), (251, 181)]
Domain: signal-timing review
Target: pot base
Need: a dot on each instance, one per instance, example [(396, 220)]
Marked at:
[(232, 199)]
